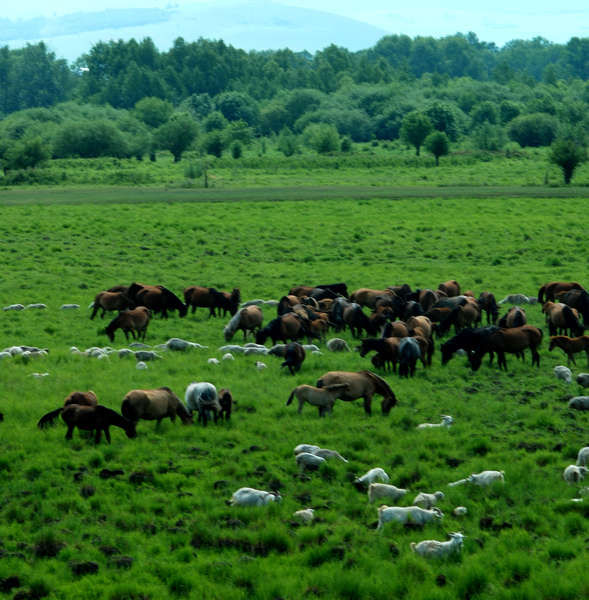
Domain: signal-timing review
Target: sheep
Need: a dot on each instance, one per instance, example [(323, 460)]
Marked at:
[(213, 361), (232, 348), (260, 366), (38, 305), (404, 514), (306, 515), (371, 477), (573, 474), (310, 348), (141, 366), (518, 299), (254, 345), (181, 345), (305, 448), (459, 511), (15, 307), (447, 421), (246, 496), (228, 356), (305, 460), (459, 482), (579, 403), (161, 347), (277, 350), (14, 350), (103, 357), (4, 355), (382, 490), (144, 355), (435, 549), (485, 478), (583, 457), (324, 453), (583, 380), (69, 307), (337, 345), (250, 351), (125, 352), (139, 345), (317, 353), (563, 373), (427, 500), (38, 375)]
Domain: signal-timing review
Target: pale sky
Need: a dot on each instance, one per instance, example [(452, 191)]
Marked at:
[(498, 21)]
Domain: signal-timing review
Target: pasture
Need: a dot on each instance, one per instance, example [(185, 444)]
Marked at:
[(161, 528)]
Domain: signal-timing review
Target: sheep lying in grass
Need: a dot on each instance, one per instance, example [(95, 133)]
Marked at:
[(124, 352), (583, 380), (141, 366), (405, 514), (144, 355), (372, 476), (228, 356), (460, 511), (579, 403), (260, 366), (307, 461), (485, 478), (583, 457), (337, 345), (518, 299), (181, 345), (246, 496), (15, 307), (435, 549), (37, 305), (139, 346), (447, 421), (382, 490), (325, 453), (305, 448), (427, 500), (306, 515), (563, 373), (69, 307), (573, 474)]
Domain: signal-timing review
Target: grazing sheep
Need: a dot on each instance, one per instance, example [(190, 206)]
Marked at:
[(518, 299), (141, 366), (228, 356), (371, 477), (583, 380), (579, 403), (250, 351), (382, 490), (427, 500), (123, 353), (69, 307), (573, 474), (583, 457), (306, 516), (246, 496), (232, 348), (459, 482), (139, 345), (213, 361), (180, 345), (145, 355), (460, 511), (563, 373), (435, 549), (305, 448), (485, 478), (15, 307), (337, 345), (260, 366), (38, 305), (404, 514), (38, 375), (277, 350), (305, 460), (310, 348), (447, 421), (324, 453), (256, 302)]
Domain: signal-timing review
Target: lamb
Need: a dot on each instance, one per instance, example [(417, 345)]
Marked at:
[(579, 403), (141, 366), (485, 478), (573, 474), (277, 350), (145, 355), (583, 457), (337, 345), (460, 511), (306, 515), (181, 345), (404, 514), (213, 361), (69, 307), (382, 490), (447, 421), (310, 348), (260, 366), (305, 448), (324, 453), (427, 500), (583, 380), (250, 351), (435, 549), (15, 307), (228, 356), (305, 460), (246, 496), (38, 305), (563, 373), (371, 477)]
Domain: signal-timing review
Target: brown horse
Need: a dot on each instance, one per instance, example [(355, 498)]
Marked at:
[(88, 418), (570, 346), (154, 405), (422, 322), (82, 398), (363, 384), (211, 298), (357, 321), (135, 320), (397, 329), (248, 319), (119, 288), (549, 290), (112, 301), (488, 303), (511, 341), (285, 328), (579, 299), (515, 317), (367, 297), (294, 355), (450, 288), (563, 317), (387, 350), (226, 401), (157, 298)]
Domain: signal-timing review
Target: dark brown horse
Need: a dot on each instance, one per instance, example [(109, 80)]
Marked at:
[(109, 301), (294, 355), (119, 288), (88, 418), (515, 317), (511, 341), (211, 298), (135, 321), (367, 297), (488, 303), (82, 398), (564, 318), (154, 405), (285, 328), (357, 321), (450, 288), (579, 299), (397, 329), (305, 290), (387, 350), (157, 298), (286, 304), (548, 292), (570, 346), (248, 319), (226, 401)]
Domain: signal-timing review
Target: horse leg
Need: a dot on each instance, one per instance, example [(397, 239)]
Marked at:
[(301, 403), (535, 357), (103, 313), (70, 432), (107, 434), (98, 434), (368, 404), (157, 425), (127, 334), (571, 357)]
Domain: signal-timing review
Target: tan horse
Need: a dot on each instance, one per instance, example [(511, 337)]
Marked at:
[(551, 289), (422, 322), (367, 297), (324, 398), (570, 346), (450, 288), (248, 319), (154, 405), (563, 317), (112, 301), (135, 321)]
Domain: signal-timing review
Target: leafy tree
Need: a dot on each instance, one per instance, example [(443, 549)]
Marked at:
[(154, 112), (236, 149), (415, 128), (442, 117), (213, 143), (533, 130), (27, 153), (488, 137), (568, 155), (273, 118), (215, 120), (238, 131), (176, 135), (137, 136), (485, 112), (287, 142), (323, 138), (236, 106), (438, 144), (508, 111), (89, 139)]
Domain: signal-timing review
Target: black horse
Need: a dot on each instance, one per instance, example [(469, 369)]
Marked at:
[(294, 355), (468, 339), (357, 321), (579, 299)]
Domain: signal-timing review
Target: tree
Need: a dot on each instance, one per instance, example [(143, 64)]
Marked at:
[(567, 155), (213, 143), (322, 138), (415, 128), (438, 144), (443, 118), (176, 135), (287, 142), (27, 153), (153, 111), (534, 130), (89, 139)]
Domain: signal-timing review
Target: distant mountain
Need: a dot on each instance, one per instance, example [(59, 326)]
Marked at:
[(247, 24)]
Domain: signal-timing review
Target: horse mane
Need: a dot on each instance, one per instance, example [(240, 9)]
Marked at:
[(134, 289), (171, 297), (233, 324)]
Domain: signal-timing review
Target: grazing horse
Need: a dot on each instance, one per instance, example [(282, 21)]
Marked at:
[(211, 298), (88, 418), (135, 320), (400, 290), (579, 299), (286, 304), (119, 288), (409, 352), (435, 315), (363, 384), (203, 398), (82, 398), (508, 340), (284, 328), (367, 297), (324, 398), (157, 298), (421, 322), (226, 401), (488, 303), (411, 309), (357, 321), (469, 340), (152, 405), (570, 346), (112, 301), (294, 355), (460, 317), (387, 350), (450, 288), (563, 317), (333, 291), (427, 299), (248, 319), (551, 289), (337, 313), (397, 329), (515, 317)]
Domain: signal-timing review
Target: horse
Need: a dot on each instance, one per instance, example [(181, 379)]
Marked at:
[(211, 298), (112, 301), (324, 398), (294, 355), (488, 303), (363, 384), (570, 346), (119, 288), (450, 288), (508, 340), (135, 320), (367, 297), (435, 315), (88, 418), (397, 329), (515, 317), (203, 398), (400, 290), (551, 289), (357, 321), (285, 328), (248, 319), (409, 352), (82, 398), (421, 322), (152, 405), (562, 316), (337, 313), (468, 339), (158, 299), (411, 309), (579, 299), (460, 317), (387, 350), (427, 299), (227, 402)]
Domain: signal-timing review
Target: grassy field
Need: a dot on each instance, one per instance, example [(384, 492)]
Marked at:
[(172, 520)]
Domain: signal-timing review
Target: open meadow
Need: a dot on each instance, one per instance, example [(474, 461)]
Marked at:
[(162, 529)]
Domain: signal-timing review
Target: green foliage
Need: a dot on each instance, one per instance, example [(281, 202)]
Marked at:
[(89, 139), (154, 112), (322, 138), (415, 129), (534, 130), (443, 118), (215, 120), (213, 143), (508, 111), (438, 144), (485, 112), (27, 153), (489, 137), (236, 149), (288, 142), (237, 106), (238, 131), (568, 155), (176, 135)]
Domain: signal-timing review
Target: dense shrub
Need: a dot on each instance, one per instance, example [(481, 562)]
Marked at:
[(89, 139), (533, 130)]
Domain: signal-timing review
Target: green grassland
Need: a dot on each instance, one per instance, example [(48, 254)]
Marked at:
[(174, 523)]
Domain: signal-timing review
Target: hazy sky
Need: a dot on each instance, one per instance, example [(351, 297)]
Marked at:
[(498, 21)]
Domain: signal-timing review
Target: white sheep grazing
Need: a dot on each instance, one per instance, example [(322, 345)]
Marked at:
[(460, 511), (213, 361), (254, 345), (15, 307), (404, 514), (139, 345), (232, 348), (573, 474), (435, 549), (141, 366), (69, 307), (4, 355), (325, 453), (485, 478), (124, 352), (305, 460), (459, 482), (246, 496), (38, 305), (563, 373), (372, 476), (447, 421), (517, 299), (260, 366), (579, 402), (310, 348), (228, 356), (103, 357), (181, 345), (583, 380), (583, 457), (38, 375), (337, 345), (427, 500), (250, 351), (306, 515), (145, 355), (305, 448), (382, 490)]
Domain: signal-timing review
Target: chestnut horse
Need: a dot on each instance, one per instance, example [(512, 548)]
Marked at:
[(551, 289), (294, 355), (154, 405), (157, 298), (135, 320), (450, 288), (570, 346), (284, 328), (112, 301), (563, 317), (211, 298), (82, 398), (367, 297)]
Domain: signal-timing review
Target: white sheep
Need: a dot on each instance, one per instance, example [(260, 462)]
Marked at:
[(254, 345), (4, 355), (460, 511), (124, 352), (435, 549), (317, 353), (38, 305), (69, 307), (310, 348), (256, 302), (103, 357), (563, 373), (518, 299), (305, 460), (232, 348), (14, 350), (371, 477), (38, 375), (325, 453), (583, 380), (213, 361), (459, 482), (305, 448), (404, 514), (250, 351), (337, 345), (228, 356), (427, 500), (15, 307), (139, 345), (246, 496), (141, 366), (485, 478), (306, 515), (277, 350), (579, 402), (145, 355), (181, 345), (573, 474), (260, 366), (382, 490), (447, 421), (583, 456)]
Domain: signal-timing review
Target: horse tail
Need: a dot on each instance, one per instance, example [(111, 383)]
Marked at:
[(570, 319), (127, 410), (541, 294), (48, 420), (292, 395)]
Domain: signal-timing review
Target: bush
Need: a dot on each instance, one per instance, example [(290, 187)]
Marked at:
[(288, 142), (489, 137), (438, 144), (153, 111), (568, 155), (176, 135), (485, 112), (534, 130), (213, 143), (89, 139), (322, 138), (27, 153), (236, 149), (416, 127)]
